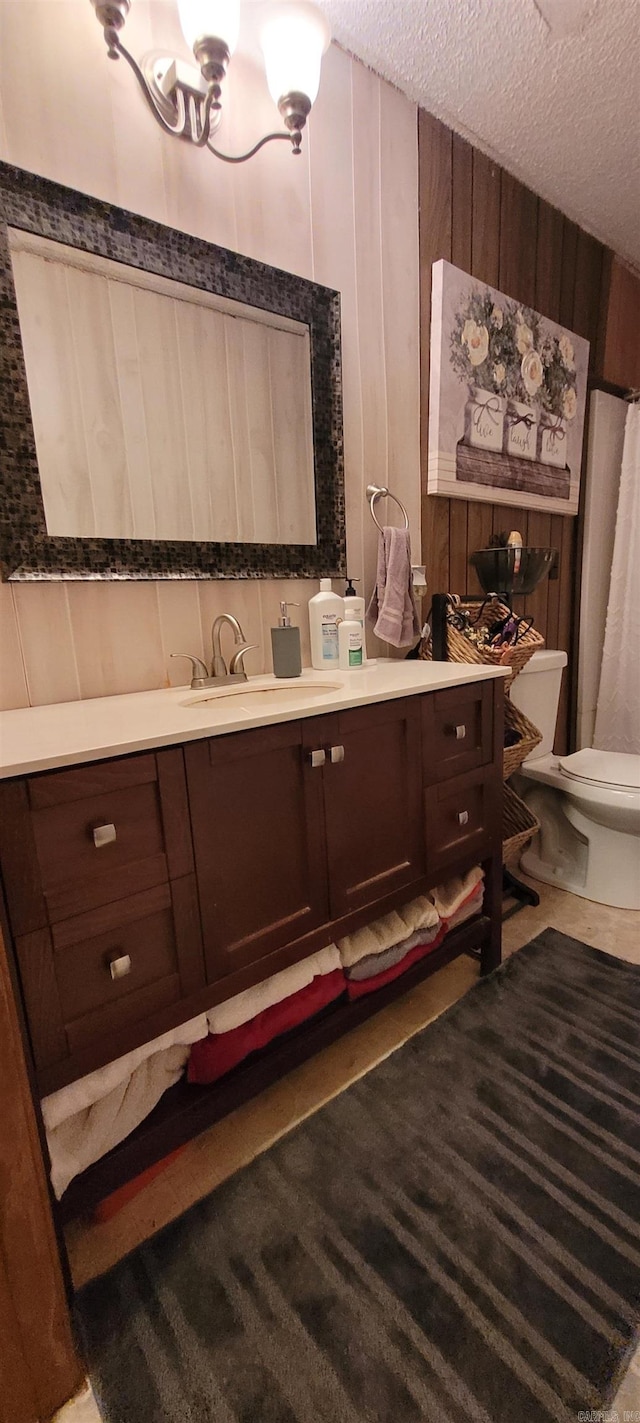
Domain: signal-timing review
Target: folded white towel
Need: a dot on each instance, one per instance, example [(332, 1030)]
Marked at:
[(384, 933), (245, 1006), (449, 896), (92, 1132), (471, 906), (67, 1101)]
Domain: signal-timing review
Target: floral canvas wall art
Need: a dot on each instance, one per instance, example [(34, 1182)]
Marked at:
[(507, 399)]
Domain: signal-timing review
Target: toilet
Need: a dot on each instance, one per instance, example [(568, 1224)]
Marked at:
[(588, 804)]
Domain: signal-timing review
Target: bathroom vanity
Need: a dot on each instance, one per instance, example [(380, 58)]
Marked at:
[(161, 852)]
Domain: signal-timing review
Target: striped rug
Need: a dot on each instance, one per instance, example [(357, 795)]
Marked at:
[(455, 1237)]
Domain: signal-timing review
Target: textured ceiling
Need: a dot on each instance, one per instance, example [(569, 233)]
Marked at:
[(556, 100)]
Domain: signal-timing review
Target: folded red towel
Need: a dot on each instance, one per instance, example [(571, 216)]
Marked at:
[(356, 988), (216, 1055)]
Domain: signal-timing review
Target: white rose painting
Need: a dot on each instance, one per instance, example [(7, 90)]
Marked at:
[(507, 399)]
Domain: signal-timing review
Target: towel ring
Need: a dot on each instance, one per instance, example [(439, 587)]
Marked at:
[(377, 491)]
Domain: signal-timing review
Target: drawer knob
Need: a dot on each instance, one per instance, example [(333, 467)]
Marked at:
[(103, 835), (463, 817), (337, 754), (120, 967), (459, 732), (317, 758)]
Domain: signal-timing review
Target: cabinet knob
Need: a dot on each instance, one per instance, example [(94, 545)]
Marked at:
[(317, 758), (459, 732), (463, 817), (337, 754), (103, 835), (120, 967)]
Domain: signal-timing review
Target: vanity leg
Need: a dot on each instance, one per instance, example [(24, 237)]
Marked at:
[(491, 953), (519, 893)]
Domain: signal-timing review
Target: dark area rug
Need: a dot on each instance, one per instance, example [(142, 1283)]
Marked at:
[(455, 1237)]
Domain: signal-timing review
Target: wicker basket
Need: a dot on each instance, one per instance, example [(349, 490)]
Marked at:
[(519, 826), (460, 649), (528, 738)]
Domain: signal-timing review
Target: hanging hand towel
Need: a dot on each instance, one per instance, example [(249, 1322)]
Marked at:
[(392, 611)]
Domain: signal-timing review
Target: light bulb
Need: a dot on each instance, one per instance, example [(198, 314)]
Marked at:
[(210, 19), (293, 39)]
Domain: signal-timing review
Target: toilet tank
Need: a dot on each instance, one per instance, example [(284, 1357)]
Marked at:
[(536, 691)]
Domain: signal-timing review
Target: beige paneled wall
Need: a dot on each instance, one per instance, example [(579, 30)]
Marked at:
[(344, 214)]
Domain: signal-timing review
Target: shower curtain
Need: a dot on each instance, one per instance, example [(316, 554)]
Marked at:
[(618, 711)]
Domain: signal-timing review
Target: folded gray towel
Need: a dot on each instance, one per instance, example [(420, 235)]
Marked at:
[(392, 611), (378, 963)]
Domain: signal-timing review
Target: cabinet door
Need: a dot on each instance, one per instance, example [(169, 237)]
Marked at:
[(256, 806), (373, 802)]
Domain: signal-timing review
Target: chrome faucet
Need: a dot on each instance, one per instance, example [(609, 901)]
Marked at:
[(219, 666), (220, 675)]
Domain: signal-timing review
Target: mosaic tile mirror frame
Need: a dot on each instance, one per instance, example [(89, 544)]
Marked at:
[(33, 205)]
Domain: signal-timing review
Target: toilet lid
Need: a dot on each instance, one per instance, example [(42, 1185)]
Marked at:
[(605, 768)]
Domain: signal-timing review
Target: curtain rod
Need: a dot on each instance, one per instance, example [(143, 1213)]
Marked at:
[(610, 387)]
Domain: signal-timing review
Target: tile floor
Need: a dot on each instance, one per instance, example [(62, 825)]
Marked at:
[(231, 1143)]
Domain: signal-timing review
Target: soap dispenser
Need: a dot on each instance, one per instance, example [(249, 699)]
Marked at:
[(354, 607), (285, 645)]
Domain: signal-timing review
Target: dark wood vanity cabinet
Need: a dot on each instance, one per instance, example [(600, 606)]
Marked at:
[(463, 794), (143, 889), (299, 824), (97, 867)]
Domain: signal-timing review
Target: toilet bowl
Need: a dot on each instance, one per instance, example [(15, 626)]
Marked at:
[(588, 804)]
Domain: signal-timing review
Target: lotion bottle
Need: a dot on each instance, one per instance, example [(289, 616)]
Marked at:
[(325, 608), (285, 645), (349, 644), (354, 607)]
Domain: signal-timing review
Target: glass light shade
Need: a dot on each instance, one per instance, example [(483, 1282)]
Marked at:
[(213, 19), (293, 39)]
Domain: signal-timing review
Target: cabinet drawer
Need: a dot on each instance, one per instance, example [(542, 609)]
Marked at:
[(97, 849), (137, 935), (457, 731), (460, 816), (73, 999), (71, 840)]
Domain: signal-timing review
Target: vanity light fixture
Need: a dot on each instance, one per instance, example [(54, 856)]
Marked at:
[(293, 37)]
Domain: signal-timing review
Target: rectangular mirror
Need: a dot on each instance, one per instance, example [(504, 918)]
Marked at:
[(181, 404), (160, 411)]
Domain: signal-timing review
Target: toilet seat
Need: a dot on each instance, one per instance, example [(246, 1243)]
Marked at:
[(613, 770)]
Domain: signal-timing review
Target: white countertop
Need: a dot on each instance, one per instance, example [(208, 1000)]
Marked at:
[(69, 733)]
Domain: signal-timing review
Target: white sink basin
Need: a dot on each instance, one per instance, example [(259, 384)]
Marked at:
[(287, 694)]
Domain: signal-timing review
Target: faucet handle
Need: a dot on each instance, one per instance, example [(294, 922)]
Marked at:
[(236, 665), (198, 678)]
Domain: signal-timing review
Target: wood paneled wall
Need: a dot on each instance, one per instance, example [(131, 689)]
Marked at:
[(621, 362), (479, 217), (39, 1367)]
